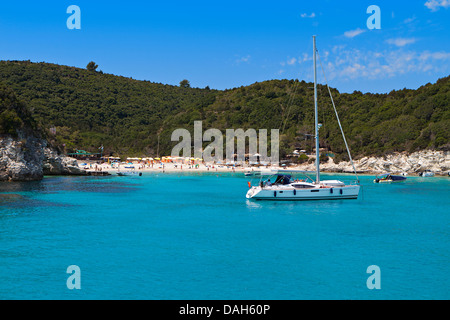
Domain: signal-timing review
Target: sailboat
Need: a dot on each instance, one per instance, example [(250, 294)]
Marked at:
[(285, 188)]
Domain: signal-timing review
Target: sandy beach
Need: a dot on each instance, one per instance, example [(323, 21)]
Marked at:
[(92, 166), (400, 163)]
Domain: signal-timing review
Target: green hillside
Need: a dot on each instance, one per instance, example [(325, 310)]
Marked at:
[(14, 114), (126, 116)]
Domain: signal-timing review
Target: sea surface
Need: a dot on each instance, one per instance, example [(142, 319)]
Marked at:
[(195, 236)]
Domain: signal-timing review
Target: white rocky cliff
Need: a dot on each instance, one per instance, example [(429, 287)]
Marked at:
[(28, 158), (436, 161)]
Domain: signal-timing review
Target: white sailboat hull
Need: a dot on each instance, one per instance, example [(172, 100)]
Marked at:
[(290, 193)]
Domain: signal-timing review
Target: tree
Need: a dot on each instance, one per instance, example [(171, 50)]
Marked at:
[(91, 66), (185, 84)]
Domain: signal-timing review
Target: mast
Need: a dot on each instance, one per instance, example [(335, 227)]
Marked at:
[(316, 115)]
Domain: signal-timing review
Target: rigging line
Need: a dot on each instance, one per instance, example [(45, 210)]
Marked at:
[(290, 102), (288, 109), (337, 116)]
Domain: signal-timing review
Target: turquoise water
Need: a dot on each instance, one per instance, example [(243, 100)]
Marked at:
[(172, 236)]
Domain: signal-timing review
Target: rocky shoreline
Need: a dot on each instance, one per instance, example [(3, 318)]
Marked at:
[(402, 162), (28, 158), (58, 164)]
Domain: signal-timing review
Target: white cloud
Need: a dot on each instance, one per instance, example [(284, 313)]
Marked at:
[(387, 64), (305, 15), (401, 42), (409, 20), (243, 59), (295, 61), (306, 57), (291, 61), (337, 48), (353, 33), (434, 5), (346, 64), (426, 55)]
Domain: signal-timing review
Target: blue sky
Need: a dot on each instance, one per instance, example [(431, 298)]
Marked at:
[(226, 44)]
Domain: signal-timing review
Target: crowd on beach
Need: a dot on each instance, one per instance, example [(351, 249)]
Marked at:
[(412, 164), (142, 166)]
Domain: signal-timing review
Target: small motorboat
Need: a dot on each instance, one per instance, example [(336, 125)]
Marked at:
[(251, 173), (129, 173), (426, 173), (259, 172), (387, 177)]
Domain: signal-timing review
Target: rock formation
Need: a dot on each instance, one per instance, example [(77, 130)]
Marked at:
[(436, 161), (27, 158), (21, 158), (25, 154), (57, 164)]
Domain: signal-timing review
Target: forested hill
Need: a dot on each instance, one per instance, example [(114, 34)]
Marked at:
[(15, 116), (89, 109)]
